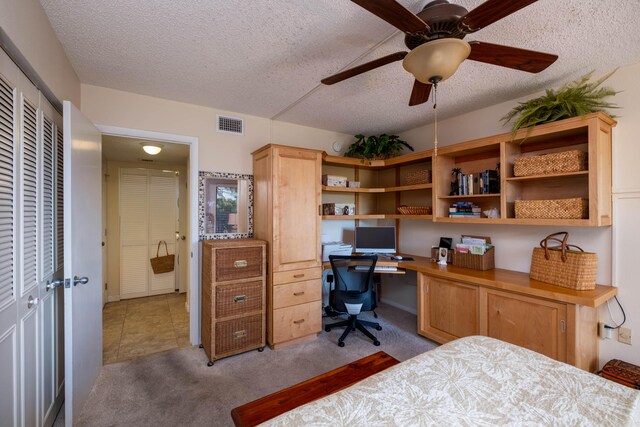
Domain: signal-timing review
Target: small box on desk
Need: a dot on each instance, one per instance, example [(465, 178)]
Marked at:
[(474, 261)]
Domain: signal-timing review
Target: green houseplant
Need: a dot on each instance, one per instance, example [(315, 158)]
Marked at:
[(573, 99), (376, 147)]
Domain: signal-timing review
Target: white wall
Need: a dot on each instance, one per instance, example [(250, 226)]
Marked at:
[(218, 152), (27, 26), (514, 243)]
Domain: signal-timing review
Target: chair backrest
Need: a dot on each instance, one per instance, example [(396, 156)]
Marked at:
[(350, 284)]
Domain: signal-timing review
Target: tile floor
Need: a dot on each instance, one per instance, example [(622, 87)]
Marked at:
[(137, 327)]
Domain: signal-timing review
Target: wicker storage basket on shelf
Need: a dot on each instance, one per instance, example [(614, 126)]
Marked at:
[(565, 161), (415, 210), (575, 208), (422, 176)]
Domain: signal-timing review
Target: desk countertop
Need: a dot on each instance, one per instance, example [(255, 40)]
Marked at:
[(498, 278)]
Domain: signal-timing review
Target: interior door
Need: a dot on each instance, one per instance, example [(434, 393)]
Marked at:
[(82, 259)]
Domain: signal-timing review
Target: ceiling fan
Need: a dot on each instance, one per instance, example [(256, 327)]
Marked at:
[(434, 37)]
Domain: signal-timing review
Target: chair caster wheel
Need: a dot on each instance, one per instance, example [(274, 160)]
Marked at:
[(376, 343), (200, 346), (378, 328), (210, 363), (341, 344), (353, 329), (327, 329), (261, 349)]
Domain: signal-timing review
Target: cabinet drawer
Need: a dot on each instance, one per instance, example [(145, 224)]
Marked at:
[(238, 298), (297, 293), (297, 321), (238, 334), (238, 263), (297, 275)]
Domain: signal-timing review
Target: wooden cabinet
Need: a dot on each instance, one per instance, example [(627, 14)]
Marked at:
[(233, 296), (534, 323), (287, 186), (565, 331), (449, 309)]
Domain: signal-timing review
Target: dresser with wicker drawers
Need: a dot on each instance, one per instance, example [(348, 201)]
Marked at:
[(233, 297)]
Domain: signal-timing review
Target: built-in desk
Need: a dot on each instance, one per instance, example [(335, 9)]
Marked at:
[(454, 302)]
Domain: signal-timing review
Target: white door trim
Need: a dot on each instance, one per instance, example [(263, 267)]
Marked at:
[(192, 141)]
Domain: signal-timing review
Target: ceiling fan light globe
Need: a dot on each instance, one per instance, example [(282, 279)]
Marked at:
[(438, 58)]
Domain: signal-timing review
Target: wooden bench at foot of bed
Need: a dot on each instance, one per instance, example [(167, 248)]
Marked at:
[(261, 410)]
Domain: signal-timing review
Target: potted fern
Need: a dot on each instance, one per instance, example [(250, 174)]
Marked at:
[(376, 147), (574, 99)]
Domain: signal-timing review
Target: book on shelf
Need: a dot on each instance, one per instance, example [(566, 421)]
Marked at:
[(486, 182)]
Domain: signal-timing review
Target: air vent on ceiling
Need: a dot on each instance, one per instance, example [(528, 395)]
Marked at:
[(147, 160), (232, 125)]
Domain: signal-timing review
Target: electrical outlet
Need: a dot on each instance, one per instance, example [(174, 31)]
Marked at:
[(624, 335), (604, 331)]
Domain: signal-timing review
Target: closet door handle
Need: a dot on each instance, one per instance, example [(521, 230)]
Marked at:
[(297, 322)]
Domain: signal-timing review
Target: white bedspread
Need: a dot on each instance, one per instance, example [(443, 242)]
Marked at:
[(474, 381)]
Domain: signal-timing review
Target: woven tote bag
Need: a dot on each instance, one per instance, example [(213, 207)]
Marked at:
[(165, 263), (563, 266)]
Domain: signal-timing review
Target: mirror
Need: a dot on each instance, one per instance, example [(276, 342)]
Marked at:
[(226, 205)]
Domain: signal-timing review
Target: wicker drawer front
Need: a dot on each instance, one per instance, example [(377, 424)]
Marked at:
[(297, 275), (297, 293), (239, 298), (238, 334), (297, 321), (238, 263)]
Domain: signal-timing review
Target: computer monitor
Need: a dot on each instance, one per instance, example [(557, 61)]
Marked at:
[(377, 240)]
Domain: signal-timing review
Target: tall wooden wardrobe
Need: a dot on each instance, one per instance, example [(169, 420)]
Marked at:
[(287, 198)]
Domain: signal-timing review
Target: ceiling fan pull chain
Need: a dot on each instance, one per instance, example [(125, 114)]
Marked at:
[(435, 112)]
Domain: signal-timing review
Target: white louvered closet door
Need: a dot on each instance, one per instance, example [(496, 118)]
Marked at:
[(163, 197), (148, 206)]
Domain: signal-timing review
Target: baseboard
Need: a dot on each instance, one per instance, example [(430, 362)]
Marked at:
[(400, 306), (113, 298)]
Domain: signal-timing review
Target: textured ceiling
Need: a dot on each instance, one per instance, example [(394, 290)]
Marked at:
[(266, 57)]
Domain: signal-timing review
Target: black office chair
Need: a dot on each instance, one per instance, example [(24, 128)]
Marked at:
[(353, 292)]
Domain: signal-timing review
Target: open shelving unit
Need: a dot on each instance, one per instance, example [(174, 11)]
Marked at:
[(383, 188)]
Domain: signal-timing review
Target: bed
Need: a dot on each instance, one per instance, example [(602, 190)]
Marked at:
[(475, 381)]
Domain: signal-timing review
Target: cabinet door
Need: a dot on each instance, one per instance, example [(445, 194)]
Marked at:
[(533, 323), (296, 222), (449, 310)]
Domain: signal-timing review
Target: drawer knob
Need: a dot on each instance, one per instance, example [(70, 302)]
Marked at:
[(239, 298), (240, 334), (297, 294), (241, 263), (297, 322), (297, 276)]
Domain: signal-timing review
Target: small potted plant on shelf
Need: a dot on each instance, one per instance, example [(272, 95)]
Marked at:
[(376, 147), (574, 99)]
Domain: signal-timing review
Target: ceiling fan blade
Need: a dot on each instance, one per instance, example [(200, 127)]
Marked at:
[(420, 93), (491, 11), (511, 57), (395, 14), (351, 72)]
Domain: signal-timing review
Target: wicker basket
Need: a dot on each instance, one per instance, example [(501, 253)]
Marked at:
[(565, 161), (415, 210), (573, 269), (422, 176), (575, 208), (475, 262)]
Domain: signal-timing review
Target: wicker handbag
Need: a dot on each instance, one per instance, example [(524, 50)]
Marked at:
[(162, 264), (561, 266)]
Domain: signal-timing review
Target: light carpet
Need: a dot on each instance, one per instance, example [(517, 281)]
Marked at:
[(177, 388)]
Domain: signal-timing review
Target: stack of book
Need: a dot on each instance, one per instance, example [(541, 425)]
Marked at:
[(486, 182), (464, 210)]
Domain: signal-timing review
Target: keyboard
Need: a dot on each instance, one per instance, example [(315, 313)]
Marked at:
[(378, 268)]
